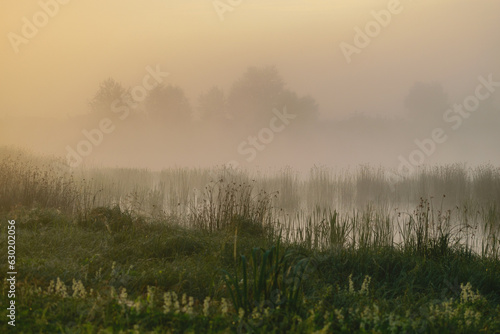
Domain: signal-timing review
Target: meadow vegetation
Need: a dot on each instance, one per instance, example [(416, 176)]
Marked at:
[(197, 250)]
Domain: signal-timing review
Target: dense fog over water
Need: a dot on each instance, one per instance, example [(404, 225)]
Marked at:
[(256, 84), (260, 166)]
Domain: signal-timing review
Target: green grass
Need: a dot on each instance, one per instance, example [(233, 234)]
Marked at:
[(129, 280), (134, 251)]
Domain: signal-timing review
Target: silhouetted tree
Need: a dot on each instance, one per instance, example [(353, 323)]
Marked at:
[(304, 107), (109, 91), (168, 104), (253, 97), (255, 94), (426, 101), (212, 105)]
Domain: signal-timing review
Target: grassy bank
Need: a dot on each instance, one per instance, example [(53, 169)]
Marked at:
[(205, 251), (78, 276)]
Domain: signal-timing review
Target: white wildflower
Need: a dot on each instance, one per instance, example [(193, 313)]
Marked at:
[(61, 288), (224, 306), (206, 307), (78, 289), (365, 285)]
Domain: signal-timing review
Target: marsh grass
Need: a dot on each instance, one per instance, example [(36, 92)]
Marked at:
[(228, 203), (32, 181), (141, 279), (104, 250)]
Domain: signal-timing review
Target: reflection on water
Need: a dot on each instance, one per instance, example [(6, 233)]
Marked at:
[(328, 208), (366, 207)]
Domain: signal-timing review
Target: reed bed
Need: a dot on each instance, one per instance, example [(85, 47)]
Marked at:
[(325, 209), (214, 250)]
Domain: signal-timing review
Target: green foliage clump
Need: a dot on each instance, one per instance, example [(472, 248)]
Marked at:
[(107, 219)]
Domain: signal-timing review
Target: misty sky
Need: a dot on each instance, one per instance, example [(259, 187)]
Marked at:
[(430, 51), (59, 70)]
